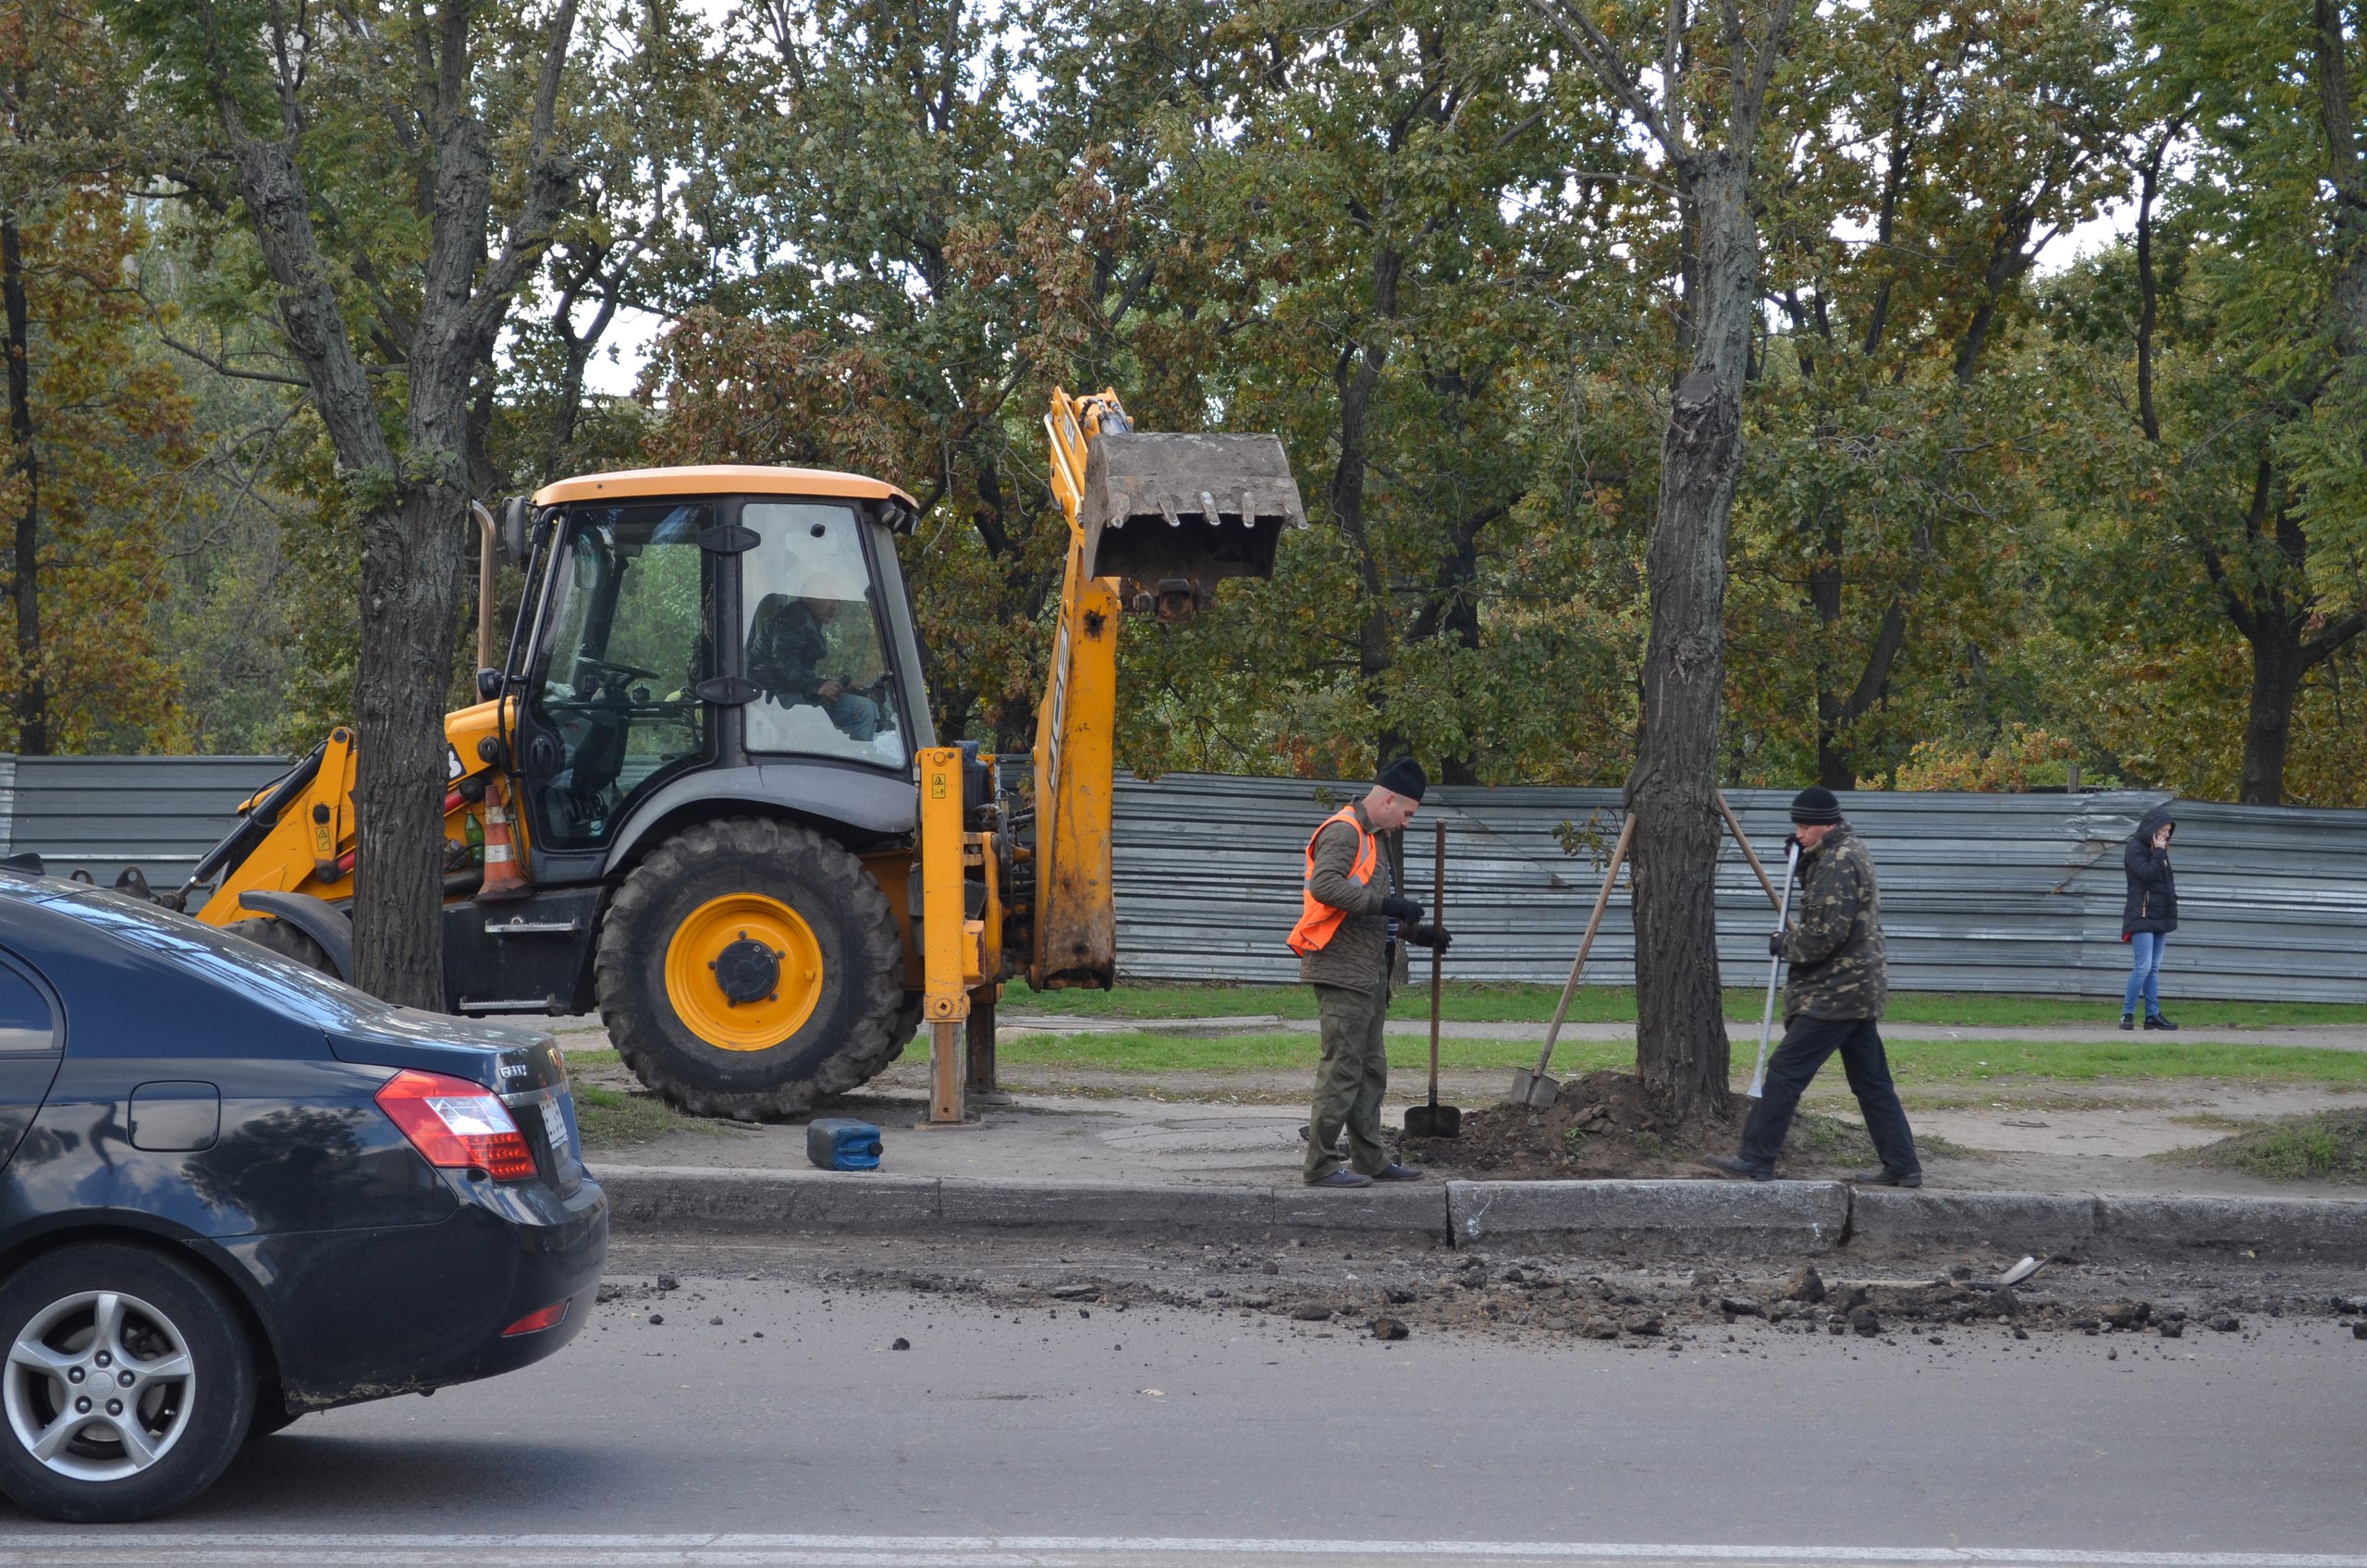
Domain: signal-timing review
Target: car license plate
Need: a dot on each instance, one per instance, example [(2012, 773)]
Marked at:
[(555, 1125)]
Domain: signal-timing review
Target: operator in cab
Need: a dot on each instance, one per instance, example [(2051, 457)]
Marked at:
[(789, 642), (1350, 938)]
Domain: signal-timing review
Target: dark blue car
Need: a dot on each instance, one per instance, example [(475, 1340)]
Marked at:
[(235, 1190)]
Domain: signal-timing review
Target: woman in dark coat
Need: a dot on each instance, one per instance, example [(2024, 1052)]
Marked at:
[(2149, 915)]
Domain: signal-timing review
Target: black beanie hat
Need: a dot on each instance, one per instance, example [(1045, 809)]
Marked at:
[(1815, 805), (1403, 777)]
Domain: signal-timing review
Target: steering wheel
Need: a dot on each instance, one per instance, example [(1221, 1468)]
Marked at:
[(626, 671)]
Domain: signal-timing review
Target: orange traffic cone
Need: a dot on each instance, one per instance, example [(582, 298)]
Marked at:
[(502, 877)]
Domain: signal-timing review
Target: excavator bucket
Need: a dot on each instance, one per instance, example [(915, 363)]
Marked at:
[(1175, 515)]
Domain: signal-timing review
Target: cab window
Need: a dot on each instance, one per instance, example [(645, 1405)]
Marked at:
[(815, 644)]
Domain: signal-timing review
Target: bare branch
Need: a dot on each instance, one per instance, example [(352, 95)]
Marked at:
[(1750, 98), (1600, 56)]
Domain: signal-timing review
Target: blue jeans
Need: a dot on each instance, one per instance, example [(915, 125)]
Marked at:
[(2145, 972), (856, 715)]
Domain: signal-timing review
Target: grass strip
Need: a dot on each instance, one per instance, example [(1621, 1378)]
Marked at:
[(1148, 1052), (2323, 1146), (1468, 1003), (611, 1118)]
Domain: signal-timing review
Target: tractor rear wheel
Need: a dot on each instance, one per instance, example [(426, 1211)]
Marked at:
[(268, 931), (749, 967)]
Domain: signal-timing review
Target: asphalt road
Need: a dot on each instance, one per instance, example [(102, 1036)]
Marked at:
[(791, 1432)]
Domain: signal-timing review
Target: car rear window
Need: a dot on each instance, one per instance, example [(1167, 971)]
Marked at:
[(207, 953), (27, 1025)]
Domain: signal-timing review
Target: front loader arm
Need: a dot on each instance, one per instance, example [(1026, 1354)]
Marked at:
[(1154, 522), (1075, 914)]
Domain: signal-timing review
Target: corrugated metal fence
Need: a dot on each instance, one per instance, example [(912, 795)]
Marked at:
[(1979, 893)]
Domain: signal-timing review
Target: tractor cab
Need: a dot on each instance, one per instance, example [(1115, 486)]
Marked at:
[(681, 619)]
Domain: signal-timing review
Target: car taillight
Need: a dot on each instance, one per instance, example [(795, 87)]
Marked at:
[(536, 1322), (457, 1124)]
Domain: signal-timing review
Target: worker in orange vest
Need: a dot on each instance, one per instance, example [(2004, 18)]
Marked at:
[(1352, 930)]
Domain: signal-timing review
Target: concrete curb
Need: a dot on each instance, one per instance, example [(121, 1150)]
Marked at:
[(2311, 1228), (2037, 1222), (1790, 1217), (1786, 1218), (658, 1200)]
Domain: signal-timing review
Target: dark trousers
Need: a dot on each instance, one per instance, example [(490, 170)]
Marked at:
[(1806, 1042)]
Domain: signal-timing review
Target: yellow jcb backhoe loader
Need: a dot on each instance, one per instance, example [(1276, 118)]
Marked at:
[(702, 795)]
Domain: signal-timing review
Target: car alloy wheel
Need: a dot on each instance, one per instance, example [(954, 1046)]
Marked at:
[(128, 1385), (100, 1386)]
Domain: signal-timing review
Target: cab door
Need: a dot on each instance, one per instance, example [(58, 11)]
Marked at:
[(611, 708)]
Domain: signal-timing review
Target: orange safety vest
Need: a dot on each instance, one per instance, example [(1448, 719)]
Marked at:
[(1317, 920)]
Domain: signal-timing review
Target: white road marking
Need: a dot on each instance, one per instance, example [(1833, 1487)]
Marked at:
[(176, 1548)]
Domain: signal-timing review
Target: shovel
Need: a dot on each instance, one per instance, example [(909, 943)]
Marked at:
[(1535, 1089), (1775, 971), (1436, 1120)]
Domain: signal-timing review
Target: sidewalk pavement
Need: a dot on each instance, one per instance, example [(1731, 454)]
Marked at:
[(1052, 1164), (2323, 1036)]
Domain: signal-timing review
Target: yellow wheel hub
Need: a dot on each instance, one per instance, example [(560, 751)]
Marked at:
[(743, 972)]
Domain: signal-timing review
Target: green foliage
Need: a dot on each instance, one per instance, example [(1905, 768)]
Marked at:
[(2323, 1146)]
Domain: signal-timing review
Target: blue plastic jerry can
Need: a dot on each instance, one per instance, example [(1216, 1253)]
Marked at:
[(841, 1143)]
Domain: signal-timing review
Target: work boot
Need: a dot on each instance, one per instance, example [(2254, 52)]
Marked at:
[(1885, 1177), (2128, 1020), (1341, 1179), (2155, 1021), (1396, 1172), (1734, 1165)]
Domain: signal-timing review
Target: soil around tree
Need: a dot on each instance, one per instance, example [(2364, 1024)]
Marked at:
[(1606, 1124)]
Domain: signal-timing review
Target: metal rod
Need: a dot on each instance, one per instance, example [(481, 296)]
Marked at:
[(1774, 970), (488, 535), (945, 1101), (1438, 959), (980, 1051), (1578, 965)]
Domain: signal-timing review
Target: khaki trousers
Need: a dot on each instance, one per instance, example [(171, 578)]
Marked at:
[(1351, 1080)]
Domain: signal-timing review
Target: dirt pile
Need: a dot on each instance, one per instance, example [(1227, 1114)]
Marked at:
[(1612, 1124)]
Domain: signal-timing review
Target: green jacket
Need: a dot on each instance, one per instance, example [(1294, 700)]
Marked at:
[(1353, 956), (1835, 947)]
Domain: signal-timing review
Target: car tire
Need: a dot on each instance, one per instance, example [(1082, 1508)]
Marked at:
[(103, 1310), (830, 1022), (276, 935)]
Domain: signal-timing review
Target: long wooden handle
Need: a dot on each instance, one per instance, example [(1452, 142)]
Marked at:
[(1594, 924), (1438, 959), (1733, 825)]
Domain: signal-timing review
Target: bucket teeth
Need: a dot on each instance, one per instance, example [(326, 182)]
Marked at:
[(1135, 479)]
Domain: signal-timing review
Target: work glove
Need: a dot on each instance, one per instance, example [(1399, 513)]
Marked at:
[(1431, 937), (1398, 907), (1776, 945)]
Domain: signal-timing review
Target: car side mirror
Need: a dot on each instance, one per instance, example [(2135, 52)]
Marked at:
[(488, 685), (517, 528)]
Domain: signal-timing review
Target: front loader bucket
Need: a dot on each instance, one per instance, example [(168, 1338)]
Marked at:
[(1175, 515)]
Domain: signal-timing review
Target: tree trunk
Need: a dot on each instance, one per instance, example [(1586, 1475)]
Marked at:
[(2279, 661), (1681, 1031), (32, 689), (409, 605)]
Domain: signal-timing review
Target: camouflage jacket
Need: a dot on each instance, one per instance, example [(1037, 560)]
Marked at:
[(1353, 956), (1836, 944)]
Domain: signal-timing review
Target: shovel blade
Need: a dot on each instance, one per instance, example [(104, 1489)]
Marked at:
[(1534, 1089), (1174, 515), (1433, 1121)]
